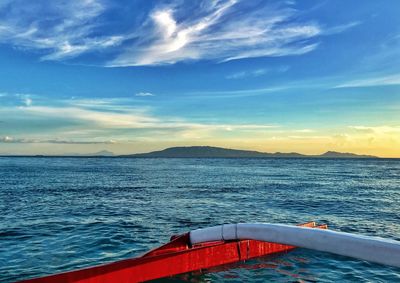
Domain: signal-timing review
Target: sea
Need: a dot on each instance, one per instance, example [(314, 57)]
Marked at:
[(60, 214)]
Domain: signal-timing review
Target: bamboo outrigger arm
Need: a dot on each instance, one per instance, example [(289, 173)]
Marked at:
[(368, 248)]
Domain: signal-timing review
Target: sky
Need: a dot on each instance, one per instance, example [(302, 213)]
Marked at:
[(81, 76)]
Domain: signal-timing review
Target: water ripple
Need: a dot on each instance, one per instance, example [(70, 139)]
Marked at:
[(59, 214)]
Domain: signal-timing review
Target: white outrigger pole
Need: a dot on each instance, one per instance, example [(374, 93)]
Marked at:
[(368, 248)]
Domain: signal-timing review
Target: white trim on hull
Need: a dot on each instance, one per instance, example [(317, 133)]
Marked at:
[(368, 248)]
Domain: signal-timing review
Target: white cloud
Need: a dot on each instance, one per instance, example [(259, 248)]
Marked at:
[(61, 29), (122, 119), (8, 139), (308, 137), (18, 98), (304, 131), (245, 92), (220, 30), (383, 129), (84, 121), (245, 74), (256, 72), (28, 101), (373, 81), (144, 94), (341, 28)]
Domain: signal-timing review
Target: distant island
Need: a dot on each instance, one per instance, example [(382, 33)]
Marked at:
[(219, 152), (99, 153), (206, 152)]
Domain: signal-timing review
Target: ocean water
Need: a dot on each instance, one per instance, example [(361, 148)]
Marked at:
[(59, 214)]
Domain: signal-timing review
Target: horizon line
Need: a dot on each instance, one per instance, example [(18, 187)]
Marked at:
[(112, 154)]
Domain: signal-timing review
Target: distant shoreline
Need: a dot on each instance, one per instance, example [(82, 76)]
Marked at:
[(210, 153), (133, 157)]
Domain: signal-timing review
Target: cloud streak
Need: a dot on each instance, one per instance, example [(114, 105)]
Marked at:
[(218, 30), (144, 94), (372, 81), (125, 118), (82, 122), (8, 139), (58, 29), (221, 30), (383, 129), (245, 74)]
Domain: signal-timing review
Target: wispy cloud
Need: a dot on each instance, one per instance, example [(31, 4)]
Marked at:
[(308, 137), (28, 101), (8, 139), (305, 131), (212, 30), (167, 33), (237, 93), (373, 81), (144, 94), (218, 30), (245, 74), (126, 118), (341, 28), (256, 72), (60, 29), (23, 99), (223, 94), (123, 118), (383, 129), (111, 121)]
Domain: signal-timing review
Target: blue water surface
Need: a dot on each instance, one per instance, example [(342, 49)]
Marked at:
[(59, 214)]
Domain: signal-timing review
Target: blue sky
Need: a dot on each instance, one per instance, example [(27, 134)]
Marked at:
[(132, 76)]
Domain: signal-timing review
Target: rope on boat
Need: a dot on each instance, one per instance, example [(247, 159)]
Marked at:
[(374, 249)]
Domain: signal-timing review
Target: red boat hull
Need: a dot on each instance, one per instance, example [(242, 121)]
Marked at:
[(175, 257)]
